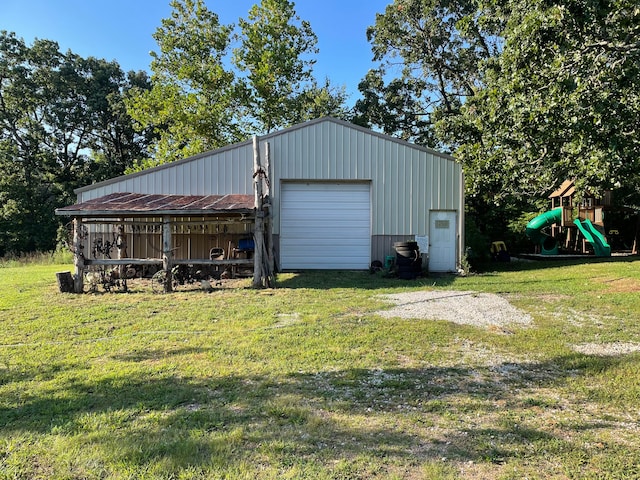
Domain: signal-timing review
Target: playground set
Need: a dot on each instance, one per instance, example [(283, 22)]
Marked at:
[(592, 225)]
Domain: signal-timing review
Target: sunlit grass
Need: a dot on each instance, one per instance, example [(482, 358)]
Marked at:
[(306, 381)]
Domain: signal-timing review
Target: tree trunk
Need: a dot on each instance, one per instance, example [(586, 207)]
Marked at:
[(259, 226), (166, 251), (78, 256)]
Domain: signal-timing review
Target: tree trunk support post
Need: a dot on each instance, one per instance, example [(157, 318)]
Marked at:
[(78, 255), (166, 251), (259, 229), (636, 246), (267, 208), (262, 261), (121, 244)]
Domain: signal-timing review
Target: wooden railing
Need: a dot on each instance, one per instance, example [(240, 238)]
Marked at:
[(156, 261)]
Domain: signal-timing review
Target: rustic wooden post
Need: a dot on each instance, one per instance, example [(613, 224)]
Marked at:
[(121, 244), (78, 255), (166, 251), (269, 212), (259, 226)]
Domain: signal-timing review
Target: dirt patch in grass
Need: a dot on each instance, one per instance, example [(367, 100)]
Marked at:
[(623, 285), (583, 319), (607, 349), (286, 320)]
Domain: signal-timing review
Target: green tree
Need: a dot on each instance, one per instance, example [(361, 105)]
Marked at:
[(561, 101), (195, 103), (396, 108), (527, 93), (116, 144), (41, 139), (432, 51), (52, 110), (203, 96), (275, 56), (321, 101)]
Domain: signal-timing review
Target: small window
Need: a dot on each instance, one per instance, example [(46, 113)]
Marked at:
[(442, 224)]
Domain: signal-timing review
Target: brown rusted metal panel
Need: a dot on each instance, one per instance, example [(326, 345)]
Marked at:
[(138, 203)]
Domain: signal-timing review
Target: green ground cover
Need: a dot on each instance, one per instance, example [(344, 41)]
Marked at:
[(307, 381)]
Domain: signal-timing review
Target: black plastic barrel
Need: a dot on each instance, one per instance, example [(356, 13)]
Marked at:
[(408, 260)]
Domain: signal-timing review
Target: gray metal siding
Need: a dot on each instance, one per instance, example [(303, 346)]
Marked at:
[(407, 181), (220, 172)]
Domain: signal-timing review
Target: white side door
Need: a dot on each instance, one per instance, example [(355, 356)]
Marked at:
[(443, 241)]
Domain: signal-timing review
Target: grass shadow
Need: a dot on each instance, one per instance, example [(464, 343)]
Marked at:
[(527, 264), (329, 279), (364, 280), (196, 421)]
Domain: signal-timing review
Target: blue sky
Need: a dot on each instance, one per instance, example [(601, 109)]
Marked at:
[(121, 29)]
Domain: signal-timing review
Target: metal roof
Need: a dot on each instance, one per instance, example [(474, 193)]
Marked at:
[(268, 137), (124, 204)]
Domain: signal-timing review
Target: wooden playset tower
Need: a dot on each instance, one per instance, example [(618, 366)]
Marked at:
[(589, 208)]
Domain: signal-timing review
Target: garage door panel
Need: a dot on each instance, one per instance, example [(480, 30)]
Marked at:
[(311, 262), (338, 229), (324, 208), (305, 245), (325, 217), (323, 240), (325, 226)]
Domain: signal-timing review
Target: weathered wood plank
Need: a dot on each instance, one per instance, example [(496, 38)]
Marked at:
[(78, 257), (158, 261), (231, 261), (123, 261)]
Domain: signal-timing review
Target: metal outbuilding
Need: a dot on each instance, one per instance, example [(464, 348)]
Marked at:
[(337, 196)]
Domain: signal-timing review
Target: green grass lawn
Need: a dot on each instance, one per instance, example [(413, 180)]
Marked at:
[(307, 381)]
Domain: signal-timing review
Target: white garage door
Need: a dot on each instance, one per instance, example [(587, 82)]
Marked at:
[(325, 226)]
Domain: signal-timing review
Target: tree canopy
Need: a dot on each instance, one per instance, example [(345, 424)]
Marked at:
[(276, 57), (526, 93), (214, 84), (561, 101), (430, 54), (62, 125), (193, 102)]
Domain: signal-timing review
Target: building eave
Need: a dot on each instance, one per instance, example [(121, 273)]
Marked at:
[(127, 204)]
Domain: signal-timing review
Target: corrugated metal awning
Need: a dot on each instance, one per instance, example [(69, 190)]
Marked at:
[(137, 204)]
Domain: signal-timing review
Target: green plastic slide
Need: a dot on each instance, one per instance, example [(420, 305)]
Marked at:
[(594, 237), (548, 244)]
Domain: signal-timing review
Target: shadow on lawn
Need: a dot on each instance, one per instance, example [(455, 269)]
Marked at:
[(326, 279), (316, 417), (541, 263)]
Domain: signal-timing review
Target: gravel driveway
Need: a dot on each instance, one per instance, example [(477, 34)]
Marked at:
[(469, 308), (483, 310)]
